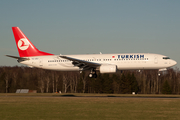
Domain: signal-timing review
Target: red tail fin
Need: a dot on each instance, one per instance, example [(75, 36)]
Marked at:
[(24, 45)]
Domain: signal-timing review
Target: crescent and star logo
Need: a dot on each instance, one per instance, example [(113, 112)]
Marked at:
[(23, 44)]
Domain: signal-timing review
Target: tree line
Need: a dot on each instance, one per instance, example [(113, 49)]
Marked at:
[(122, 82)]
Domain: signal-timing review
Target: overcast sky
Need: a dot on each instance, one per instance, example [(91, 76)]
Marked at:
[(81, 26)]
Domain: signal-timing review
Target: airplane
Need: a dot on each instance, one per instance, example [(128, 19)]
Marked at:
[(104, 63)]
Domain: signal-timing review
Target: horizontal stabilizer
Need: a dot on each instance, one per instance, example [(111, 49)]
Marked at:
[(19, 58)]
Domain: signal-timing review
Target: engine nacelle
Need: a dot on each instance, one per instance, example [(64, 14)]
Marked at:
[(108, 69)]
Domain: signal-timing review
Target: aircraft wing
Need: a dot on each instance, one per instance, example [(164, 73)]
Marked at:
[(81, 63)]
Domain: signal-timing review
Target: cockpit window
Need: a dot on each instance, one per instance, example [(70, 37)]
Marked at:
[(166, 58)]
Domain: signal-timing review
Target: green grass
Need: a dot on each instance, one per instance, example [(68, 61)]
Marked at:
[(46, 107)]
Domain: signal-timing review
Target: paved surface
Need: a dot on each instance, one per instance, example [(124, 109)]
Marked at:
[(110, 96)]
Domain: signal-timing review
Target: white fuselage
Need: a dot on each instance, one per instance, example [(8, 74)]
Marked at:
[(129, 61)]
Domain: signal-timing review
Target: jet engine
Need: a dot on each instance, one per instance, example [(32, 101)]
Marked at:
[(108, 69)]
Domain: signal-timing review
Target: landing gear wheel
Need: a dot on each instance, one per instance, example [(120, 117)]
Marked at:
[(95, 75), (90, 75), (159, 74)]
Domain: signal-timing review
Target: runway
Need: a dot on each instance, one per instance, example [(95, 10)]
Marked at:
[(91, 96)]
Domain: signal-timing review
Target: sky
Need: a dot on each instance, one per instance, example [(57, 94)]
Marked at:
[(94, 26)]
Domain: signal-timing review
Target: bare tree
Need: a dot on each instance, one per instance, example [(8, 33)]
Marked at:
[(73, 81), (14, 77), (7, 82), (66, 81), (84, 77), (56, 77), (41, 80), (47, 79)]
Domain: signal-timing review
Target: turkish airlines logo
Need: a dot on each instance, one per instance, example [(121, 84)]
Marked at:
[(23, 44)]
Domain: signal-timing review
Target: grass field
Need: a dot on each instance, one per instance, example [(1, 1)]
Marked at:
[(94, 106)]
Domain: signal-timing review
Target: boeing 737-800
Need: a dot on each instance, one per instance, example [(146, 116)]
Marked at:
[(105, 63)]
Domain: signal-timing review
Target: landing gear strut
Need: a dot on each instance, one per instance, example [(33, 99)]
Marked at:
[(93, 74)]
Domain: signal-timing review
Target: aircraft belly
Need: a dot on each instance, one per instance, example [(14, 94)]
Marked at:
[(61, 67), (130, 66), (138, 65)]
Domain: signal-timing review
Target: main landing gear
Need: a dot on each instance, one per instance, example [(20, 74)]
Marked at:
[(93, 74)]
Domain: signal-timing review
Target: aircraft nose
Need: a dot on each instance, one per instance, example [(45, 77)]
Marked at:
[(174, 62)]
